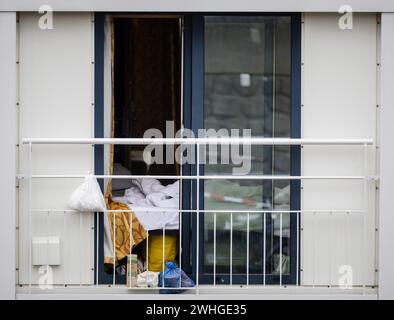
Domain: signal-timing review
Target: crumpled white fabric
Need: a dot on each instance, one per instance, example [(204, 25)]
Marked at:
[(149, 193), (88, 196)]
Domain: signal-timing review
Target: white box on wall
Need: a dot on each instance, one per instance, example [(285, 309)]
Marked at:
[(46, 251)]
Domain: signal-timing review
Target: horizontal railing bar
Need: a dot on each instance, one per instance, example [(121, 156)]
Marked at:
[(203, 177), (206, 211), (236, 287), (122, 290), (119, 286), (200, 141)]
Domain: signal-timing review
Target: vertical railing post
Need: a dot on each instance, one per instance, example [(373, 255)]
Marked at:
[(214, 249), (80, 249), (314, 248), (147, 250), (364, 264), (114, 248), (330, 255), (231, 249), (163, 257), (30, 169), (131, 244), (64, 255), (198, 216), (298, 248), (47, 242), (247, 248), (97, 248), (346, 239), (280, 248), (264, 246), (180, 212)]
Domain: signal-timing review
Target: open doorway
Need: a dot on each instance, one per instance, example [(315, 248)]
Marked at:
[(147, 85), (146, 94)]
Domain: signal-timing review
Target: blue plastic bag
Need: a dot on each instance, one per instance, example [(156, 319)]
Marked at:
[(174, 277)]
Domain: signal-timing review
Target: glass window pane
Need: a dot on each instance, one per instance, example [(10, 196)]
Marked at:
[(247, 86)]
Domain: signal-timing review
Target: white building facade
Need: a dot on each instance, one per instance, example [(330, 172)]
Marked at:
[(342, 73)]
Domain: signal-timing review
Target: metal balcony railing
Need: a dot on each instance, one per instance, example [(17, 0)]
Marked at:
[(198, 143)]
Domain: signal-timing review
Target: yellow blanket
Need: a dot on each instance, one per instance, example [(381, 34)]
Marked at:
[(121, 233)]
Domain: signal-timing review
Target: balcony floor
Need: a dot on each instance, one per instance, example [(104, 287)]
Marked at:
[(205, 292)]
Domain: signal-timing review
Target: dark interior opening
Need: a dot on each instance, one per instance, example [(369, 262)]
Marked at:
[(147, 53), (147, 87)]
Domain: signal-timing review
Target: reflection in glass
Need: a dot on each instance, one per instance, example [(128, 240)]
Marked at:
[(247, 86)]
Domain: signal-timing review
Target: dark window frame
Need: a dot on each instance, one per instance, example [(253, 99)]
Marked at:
[(193, 89)]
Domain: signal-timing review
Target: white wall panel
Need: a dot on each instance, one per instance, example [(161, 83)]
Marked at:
[(201, 6), (55, 101), (386, 217), (339, 98), (8, 141)]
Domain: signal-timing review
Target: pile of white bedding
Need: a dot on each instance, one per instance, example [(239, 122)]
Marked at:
[(153, 203)]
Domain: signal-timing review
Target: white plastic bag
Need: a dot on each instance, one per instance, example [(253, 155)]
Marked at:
[(88, 197), (148, 279)]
